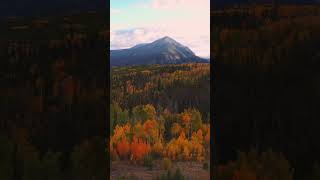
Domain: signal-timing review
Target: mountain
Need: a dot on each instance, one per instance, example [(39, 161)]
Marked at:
[(162, 51)]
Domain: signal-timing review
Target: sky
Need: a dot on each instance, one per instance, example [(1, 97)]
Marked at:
[(142, 21)]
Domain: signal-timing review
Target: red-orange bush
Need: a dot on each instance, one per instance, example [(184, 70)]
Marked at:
[(123, 148), (139, 149)]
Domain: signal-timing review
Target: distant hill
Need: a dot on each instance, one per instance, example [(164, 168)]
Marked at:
[(162, 51)]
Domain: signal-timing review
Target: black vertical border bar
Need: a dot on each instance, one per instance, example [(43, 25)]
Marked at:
[(107, 86), (213, 131), (211, 98)]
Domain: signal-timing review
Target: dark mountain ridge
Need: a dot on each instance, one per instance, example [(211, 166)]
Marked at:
[(162, 51)]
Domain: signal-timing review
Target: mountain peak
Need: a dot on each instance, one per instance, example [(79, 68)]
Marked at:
[(162, 51), (166, 39)]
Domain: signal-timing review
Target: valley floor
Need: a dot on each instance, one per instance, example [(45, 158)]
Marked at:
[(191, 170)]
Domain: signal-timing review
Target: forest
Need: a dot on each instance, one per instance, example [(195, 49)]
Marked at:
[(53, 97), (176, 87), (160, 114), (266, 91), (264, 126)]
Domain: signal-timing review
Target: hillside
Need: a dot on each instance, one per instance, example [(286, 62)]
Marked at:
[(168, 86), (267, 81), (52, 76), (160, 121)]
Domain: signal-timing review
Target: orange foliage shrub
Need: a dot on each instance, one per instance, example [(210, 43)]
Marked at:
[(139, 149), (147, 138), (123, 148)]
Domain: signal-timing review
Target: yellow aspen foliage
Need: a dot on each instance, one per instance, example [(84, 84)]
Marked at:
[(149, 125), (205, 128), (138, 130), (198, 149), (197, 145), (151, 129), (197, 136), (149, 110), (179, 148), (127, 128), (119, 133), (186, 153), (157, 148), (135, 141), (172, 149)]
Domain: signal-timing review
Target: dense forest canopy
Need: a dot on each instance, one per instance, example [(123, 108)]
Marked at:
[(267, 59), (52, 97), (176, 87)]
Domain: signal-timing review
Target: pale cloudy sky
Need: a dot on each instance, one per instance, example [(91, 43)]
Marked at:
[(143, 21)]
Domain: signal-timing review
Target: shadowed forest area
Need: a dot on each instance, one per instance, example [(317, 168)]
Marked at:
[(53, 97), (266, 91)]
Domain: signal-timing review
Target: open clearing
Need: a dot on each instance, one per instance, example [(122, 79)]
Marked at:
[(191, 170)]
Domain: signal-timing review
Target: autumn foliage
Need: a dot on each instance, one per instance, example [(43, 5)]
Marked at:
[(268, 165), (139, 149), (123, 148), (137, 139)]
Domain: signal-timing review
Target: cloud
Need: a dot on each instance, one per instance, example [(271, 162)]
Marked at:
[(187, 21), (196, 5), (127, 38), (122, 39), (114, 11)]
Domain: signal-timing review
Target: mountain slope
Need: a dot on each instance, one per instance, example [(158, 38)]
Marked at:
[(162, 51)]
